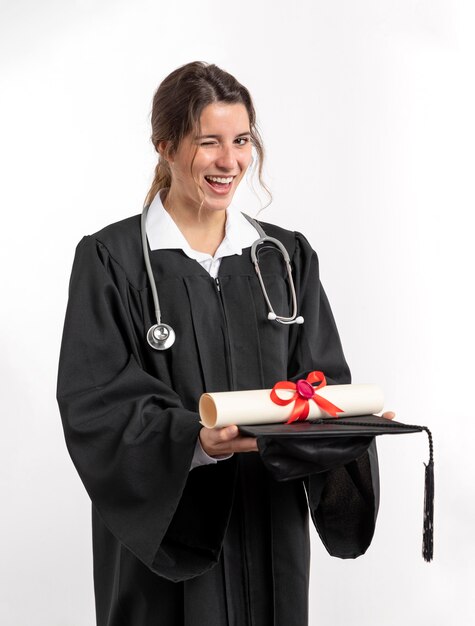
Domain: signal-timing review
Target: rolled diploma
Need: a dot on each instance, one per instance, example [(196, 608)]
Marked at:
[(256, 407)]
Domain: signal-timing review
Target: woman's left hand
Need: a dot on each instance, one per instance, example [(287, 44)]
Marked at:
[(389, 415)]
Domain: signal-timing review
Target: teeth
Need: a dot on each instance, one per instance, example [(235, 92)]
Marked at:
[(219, 179)]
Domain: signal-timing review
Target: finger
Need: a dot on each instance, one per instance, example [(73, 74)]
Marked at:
[(244, 444), (220, 435), (213, 439), (228, 433), (389, 415), (226, 440)]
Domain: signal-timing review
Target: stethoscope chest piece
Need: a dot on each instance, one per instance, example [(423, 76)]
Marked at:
[(160, 336)]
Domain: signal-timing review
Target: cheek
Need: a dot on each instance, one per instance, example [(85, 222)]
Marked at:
[(246, 160), (180, 170), (202, 163)]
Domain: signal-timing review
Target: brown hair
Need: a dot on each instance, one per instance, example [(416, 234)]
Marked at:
[(177, 107)]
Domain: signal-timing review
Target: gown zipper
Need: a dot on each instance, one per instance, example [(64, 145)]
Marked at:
[(229, 360), (240, 495)]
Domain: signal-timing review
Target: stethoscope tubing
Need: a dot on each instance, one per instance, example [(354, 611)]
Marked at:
[(148, 265), (294, 318)]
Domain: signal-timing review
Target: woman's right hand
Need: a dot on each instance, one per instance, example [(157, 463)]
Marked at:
[(226, 440)]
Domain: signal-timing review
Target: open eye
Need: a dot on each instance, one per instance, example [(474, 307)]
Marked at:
[(242, 141)]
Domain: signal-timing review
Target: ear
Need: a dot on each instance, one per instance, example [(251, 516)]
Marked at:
[(164, 149)]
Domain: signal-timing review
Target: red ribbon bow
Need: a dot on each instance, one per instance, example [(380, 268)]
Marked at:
[(304, 391)]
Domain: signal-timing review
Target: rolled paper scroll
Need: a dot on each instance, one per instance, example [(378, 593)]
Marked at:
[(257, 407)]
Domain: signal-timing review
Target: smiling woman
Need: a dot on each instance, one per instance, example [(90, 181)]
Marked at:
[(207, 169), (204, 130), (189, 529), (183, 97)]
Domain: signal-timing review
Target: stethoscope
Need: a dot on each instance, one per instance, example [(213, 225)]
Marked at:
[(161, 336)]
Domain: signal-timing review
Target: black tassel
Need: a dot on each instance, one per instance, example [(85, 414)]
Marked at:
[(428, 527)]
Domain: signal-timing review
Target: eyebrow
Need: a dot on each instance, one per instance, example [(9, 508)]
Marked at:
[(247, 132)]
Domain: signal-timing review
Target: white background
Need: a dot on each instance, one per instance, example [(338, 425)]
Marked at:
[(366, 109)]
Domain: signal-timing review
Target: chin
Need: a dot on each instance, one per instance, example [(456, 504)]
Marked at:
[(217, 204)]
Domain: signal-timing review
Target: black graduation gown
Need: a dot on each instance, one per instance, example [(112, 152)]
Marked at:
[(223, 544)]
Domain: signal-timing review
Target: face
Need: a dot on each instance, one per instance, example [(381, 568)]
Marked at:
[(216, 160)]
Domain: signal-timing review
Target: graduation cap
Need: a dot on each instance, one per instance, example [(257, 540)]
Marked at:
[(302, 448)]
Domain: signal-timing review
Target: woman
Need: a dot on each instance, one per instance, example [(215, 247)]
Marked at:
[(189, 528)]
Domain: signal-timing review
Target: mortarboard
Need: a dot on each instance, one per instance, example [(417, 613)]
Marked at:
[(303, 448)]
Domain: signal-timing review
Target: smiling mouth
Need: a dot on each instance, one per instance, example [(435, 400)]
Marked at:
[(221, 184)]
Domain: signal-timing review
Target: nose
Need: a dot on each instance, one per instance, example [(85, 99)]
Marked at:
[(227, 158)]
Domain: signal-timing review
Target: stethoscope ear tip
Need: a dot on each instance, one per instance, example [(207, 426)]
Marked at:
[(272, 316)]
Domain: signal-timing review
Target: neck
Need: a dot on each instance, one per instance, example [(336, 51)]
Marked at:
[(203, 229)]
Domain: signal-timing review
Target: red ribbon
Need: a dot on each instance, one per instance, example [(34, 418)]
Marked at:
[(304, 391)]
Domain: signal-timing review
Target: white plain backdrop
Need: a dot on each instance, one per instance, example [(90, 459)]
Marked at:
[(366, 109)]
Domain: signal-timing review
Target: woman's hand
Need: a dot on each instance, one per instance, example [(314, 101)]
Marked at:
[(227, 440), (389, 415)]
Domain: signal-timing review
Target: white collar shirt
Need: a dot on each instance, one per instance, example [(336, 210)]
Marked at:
[(163, 233)]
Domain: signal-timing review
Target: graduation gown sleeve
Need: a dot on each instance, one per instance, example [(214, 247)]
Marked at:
[(128, 433), (343, 501)]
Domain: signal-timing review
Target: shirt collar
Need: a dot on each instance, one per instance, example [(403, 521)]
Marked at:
[(163, 233)]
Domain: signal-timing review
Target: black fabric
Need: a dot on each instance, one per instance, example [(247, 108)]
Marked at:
[(346, 511), (288, 458), (224, 544)]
